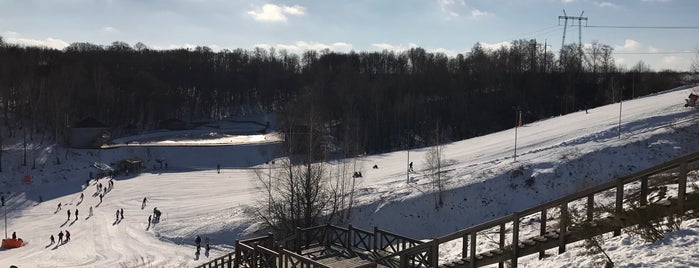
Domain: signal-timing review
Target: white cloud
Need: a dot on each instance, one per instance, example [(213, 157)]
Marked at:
[(656, 1), (109, 30), (568, 1), (301, 46), (476, 14), (448, 6), (15, 38), (629, 45), (390, 47), (605, 4), (495, 46), (275, 13)]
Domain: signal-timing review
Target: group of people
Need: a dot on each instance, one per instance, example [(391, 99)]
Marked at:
[(60, 238), (197, 242)]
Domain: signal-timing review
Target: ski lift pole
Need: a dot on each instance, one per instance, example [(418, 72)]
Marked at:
[(518, 117)]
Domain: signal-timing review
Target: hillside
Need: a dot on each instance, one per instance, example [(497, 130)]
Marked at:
[(562, 154)]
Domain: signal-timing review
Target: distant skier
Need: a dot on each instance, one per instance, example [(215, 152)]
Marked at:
[(59, 207), (122, 213), (76, 214), (89, 214), (410, 167), (149, 220), (67, 236), (81, 197), (60, 237), (218, 168), (68, 211), (14, 235), (101, 198), (198, 242), (53, 240), (117, 215), (143, 204), (375, 166), (207, 244)]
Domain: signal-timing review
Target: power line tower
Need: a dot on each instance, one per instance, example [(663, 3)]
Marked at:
[(565, 18)]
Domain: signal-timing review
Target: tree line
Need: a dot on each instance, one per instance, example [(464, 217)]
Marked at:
[(360, 101)]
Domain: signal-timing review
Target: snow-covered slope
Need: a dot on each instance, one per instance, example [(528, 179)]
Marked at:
[(563, 154)]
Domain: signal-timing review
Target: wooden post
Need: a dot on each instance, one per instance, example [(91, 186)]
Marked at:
[(376, 236), (349, 236), (515, 239), (644, 190), (434, 253), (473, 248), (590, 207), (542, 232), (501, 264), (682, 188), (297, 241), (270, 240), (236, 260), (563, 224), (619, 205), (464, 247), (327, 234)]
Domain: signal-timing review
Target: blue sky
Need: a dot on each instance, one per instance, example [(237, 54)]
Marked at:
[(449, 26)]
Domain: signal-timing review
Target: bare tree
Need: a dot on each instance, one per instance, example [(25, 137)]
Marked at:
[(433, 162)]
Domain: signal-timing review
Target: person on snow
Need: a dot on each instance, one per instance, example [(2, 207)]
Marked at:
[(198, 242), (207, 244), (60, 237), (122, 213), (68, 211), (89, 214), (81, 197), (67, 236), (76, 213), (101, 198), (410, 166), (143, 204), (117, 215), (14, 235), (53, 240), (149, 218), (59, 206)]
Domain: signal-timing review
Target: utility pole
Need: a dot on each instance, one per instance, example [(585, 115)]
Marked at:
[(565, 18), (518, 118)]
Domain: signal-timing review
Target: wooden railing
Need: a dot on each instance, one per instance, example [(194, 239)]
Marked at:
[(426, 254), (631, 194)]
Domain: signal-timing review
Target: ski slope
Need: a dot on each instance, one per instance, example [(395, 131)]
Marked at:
[(564, 154)]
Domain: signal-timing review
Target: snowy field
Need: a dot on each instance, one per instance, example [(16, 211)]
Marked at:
[(564, 154)]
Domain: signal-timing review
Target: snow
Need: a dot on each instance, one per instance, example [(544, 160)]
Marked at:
[(562, 154)]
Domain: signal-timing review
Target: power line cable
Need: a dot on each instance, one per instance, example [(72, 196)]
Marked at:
[(645, 27)]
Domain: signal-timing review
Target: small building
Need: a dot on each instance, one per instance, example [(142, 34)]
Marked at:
[(88, 133), (131, 165)]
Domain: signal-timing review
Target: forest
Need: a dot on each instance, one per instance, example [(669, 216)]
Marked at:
[(361, 102)]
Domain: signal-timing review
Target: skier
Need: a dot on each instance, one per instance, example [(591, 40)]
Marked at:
[(53, 240), (410, 167), (59, 206), (117, 215), (67, 236), (198, 242), (207, 244), (89, 214), (81, 197), (60, 237), (143, 204), (218, 168), (149, 219), (101, 198), (14, 235), (122, 213), (68, 211)]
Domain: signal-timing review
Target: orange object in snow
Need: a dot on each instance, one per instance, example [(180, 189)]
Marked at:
[(12, 243)]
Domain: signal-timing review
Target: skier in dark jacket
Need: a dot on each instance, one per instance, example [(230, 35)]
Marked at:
[(198, 242), (68, 211), (67, 236), (60, 237)]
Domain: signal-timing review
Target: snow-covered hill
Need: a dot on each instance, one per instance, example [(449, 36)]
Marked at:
[(563, 154)]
